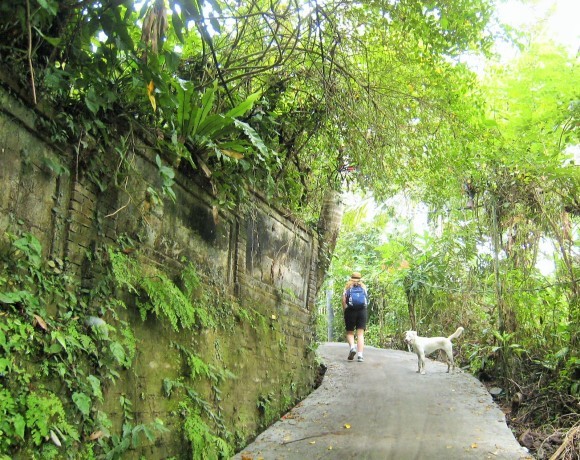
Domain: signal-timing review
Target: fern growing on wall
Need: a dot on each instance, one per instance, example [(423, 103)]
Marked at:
[(203, 442), (167, 299), (163, 296), (61, 344)]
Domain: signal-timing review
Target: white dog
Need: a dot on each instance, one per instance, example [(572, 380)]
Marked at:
[(427, 345)]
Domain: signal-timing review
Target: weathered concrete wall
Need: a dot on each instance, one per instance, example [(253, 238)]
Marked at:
[(263, 259)]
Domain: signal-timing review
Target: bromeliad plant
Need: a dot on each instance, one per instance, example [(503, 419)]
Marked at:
[(203, 136)]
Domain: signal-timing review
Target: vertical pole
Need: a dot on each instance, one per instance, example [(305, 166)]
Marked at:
[(495, 238), (330, 311)]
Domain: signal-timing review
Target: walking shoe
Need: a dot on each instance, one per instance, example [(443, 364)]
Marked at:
[(351, 353), (360, 359)]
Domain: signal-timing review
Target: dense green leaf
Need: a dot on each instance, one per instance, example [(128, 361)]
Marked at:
[(83, 403)]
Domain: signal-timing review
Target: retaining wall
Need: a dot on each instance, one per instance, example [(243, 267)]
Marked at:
[(263, 259)]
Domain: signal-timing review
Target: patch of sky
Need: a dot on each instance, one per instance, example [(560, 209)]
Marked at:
[(102, 37), (555, 20)]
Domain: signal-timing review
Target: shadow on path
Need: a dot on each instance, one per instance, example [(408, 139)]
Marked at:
[(382, 409)]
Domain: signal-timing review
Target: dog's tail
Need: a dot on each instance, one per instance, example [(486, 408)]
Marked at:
[(456, 334)]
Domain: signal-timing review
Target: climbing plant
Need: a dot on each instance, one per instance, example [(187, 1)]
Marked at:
[(58, 355), (64, 345), (376, 88)]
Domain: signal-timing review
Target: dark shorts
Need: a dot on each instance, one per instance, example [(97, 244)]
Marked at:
[(355, 319)]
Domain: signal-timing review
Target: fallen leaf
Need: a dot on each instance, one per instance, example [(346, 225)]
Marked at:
[(55, 439), (96, 435), (474, 446), (329, 447), (312, 442), (347, 426), (41, 322)]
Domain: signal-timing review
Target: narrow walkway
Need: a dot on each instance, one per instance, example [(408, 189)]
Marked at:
[(382, 409)]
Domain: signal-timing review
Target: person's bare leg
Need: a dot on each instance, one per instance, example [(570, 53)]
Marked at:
[(350, 340), (360, 341)]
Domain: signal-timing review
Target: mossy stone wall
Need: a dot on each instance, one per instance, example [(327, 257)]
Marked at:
[(257, 259)]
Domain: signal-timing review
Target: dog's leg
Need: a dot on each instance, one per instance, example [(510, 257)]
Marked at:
[(450, 362), (421, 364)]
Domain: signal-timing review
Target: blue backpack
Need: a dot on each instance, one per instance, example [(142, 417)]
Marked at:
[(356, 297)]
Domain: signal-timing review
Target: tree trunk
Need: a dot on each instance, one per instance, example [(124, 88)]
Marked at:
[(411, 300), (328, 231), (412, 311), (506, 318)]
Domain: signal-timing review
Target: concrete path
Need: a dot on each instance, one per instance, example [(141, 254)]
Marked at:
[(382, 409)]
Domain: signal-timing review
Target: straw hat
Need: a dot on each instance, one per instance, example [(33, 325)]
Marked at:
[(356, 276)]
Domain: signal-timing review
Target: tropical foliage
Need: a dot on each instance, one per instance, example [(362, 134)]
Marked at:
[(272, 95), (296, 98), (500, 256)]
